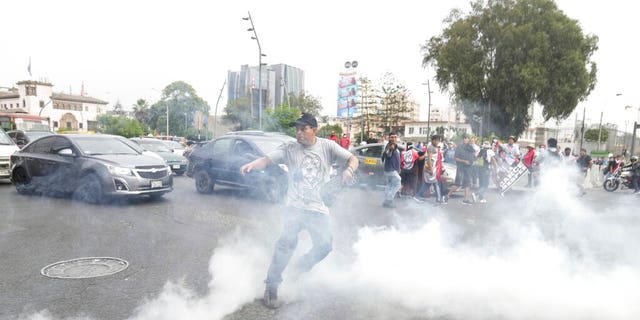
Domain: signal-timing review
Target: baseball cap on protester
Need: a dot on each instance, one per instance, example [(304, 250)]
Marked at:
[(306, 119)]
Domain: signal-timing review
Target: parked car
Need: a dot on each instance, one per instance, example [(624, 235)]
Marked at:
[(22, 138), (178, 163), (370, 170), (219, 162), (174, 146), (89, 167), (7, 148)]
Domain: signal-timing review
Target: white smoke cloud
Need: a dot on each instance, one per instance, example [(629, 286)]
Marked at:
[(546, 255)]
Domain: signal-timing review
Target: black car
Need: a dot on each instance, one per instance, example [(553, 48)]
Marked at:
[(219, 162), (90, 167), (22, 138)]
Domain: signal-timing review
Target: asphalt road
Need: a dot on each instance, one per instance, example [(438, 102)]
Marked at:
[(173, 240)]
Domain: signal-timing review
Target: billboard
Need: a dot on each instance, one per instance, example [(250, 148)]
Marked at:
[(347, 94)]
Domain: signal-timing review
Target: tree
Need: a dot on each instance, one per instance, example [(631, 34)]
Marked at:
[(592, 135), (181, 101), (119, 125), (238, 114), (141, 113), (305, 103), (118, 110), (394, 104), (506, 55), (280, 119)]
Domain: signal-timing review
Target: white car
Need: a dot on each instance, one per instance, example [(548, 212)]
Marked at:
[(7, 148), (175, 147)]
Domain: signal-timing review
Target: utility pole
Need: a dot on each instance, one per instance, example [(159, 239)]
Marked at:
[(215, 112), (600, 131), (584, 110)]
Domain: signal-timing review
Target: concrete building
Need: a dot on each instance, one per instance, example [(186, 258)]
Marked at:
[(65, 111), (278, 81)]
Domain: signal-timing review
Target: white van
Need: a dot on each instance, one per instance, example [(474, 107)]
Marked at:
[(7, 148)]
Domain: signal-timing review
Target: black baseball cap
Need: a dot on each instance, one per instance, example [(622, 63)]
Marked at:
[(306, 119)]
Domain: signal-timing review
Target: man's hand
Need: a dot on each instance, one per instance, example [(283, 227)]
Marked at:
[(258, 164), (347, 176)]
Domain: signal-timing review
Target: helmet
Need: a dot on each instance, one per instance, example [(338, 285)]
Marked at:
[(634, 158)]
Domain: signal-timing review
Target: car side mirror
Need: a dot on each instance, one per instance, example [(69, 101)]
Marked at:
[(66, 152)]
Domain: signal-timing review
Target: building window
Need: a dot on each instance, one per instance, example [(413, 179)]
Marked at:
[(80, 125), (68, 125), (31, 90), (24, 104), (55, 124), (411, 130)]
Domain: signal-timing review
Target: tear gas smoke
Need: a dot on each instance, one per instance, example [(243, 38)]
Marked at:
[(546, 255)]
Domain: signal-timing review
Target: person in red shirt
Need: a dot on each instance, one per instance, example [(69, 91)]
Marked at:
[(529, 161), (333, 137), (345, 141)]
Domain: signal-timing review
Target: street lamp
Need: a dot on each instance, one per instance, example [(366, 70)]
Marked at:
[(347, 65), (260, 55)]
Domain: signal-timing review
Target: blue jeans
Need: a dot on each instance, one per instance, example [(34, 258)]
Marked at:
[(393, 185), (295, 220), (436, 186)]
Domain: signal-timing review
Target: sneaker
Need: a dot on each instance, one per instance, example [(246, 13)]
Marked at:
[(473, 196), (467, 202), (483, 201), (270, 299), (418, 200), (636, 191), (445, 199)]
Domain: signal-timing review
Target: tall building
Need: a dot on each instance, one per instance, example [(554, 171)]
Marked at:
[(278, 81), (65, 111)]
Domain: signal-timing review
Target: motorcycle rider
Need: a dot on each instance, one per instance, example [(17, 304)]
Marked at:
[(634, 167)]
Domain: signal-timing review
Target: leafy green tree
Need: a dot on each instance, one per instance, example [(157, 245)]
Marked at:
[(305, 103), (119, 125), (181, 101), (141, 112), (238, 114), (506, 55), (592, 135), (280, 119), (394, 104)]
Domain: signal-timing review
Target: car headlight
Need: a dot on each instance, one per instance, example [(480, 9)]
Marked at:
[(119, 171)]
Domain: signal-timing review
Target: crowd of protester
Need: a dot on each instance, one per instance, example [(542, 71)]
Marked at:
[(420, 166)]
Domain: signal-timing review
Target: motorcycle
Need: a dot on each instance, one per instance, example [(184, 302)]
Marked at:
[(613, 180)]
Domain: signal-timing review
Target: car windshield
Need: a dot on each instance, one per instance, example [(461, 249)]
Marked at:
[(37, 134), (268, 145), (95, 146), (155, 146), (4, 138), (172, 144)]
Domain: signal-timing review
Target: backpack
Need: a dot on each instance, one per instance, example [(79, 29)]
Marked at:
[(407, 156)]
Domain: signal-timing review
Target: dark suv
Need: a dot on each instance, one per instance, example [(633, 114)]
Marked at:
[(219, 162)]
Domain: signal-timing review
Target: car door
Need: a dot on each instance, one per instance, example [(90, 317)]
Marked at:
[(218, 159), (38, 161), (242, 152), (62, 167)]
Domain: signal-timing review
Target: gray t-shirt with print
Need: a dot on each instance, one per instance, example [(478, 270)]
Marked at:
[(309, 169)]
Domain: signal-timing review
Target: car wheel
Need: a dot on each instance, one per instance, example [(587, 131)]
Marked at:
[(22, 181), (89, 190), (204, 182)]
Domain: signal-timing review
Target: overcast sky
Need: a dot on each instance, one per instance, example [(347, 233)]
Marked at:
[(132, 49)]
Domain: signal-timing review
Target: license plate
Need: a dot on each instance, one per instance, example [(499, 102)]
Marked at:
[(156, 184), (4, 172), (176, 166), (370, 161)]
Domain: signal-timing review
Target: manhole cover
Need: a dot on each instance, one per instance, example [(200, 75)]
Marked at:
[(81, 268)]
